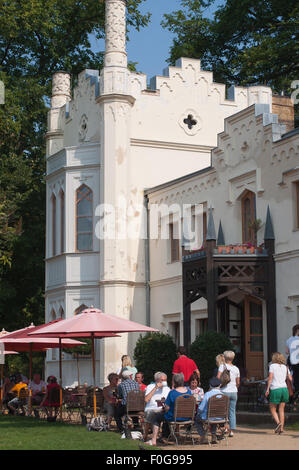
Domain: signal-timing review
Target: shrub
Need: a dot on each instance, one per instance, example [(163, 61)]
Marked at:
[(155, 352), (204, 350)]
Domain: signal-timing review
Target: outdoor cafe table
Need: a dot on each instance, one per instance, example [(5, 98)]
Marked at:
[(256, 386)]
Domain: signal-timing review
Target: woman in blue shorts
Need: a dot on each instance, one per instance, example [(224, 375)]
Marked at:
[(277, 389)]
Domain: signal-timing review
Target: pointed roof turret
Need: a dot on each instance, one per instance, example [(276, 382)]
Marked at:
[(269, 232), (211, 232), (220, 238)]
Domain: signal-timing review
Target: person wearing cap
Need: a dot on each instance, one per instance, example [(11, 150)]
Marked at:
[(123, 389), (201, 415), (185, 365)]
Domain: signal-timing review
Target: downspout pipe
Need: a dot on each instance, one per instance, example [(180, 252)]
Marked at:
[(147, 264)]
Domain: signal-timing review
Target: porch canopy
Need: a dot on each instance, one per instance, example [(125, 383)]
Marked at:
[(218, 270)]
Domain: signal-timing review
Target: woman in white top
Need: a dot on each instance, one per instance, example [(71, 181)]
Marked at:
[(277, 389), (231, 389), (292, 350)]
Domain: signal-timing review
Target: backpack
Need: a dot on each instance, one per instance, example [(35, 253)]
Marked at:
[(97, 424), (135, 435), (225, 377)]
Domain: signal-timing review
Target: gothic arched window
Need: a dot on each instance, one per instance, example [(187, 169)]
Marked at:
[(62, 220), (80, 309), (84, 219)]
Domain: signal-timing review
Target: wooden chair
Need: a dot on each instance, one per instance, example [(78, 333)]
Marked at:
[(218, 408), (53, 400), (135, 407), (184, 407)]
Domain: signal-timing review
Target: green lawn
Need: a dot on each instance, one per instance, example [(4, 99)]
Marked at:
[(23, 433)]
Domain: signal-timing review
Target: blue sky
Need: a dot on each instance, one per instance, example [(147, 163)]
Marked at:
[(150, 46)]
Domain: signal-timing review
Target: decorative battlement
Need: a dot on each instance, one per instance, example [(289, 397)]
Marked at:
[(187, 70)]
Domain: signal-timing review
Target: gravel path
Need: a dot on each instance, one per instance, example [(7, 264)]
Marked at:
[(250, 438)]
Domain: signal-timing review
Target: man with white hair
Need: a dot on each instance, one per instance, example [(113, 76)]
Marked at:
[(155, 396), (123, 389)]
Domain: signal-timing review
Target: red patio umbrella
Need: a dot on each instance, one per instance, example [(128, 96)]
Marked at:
[(92, 323), (20, 341)]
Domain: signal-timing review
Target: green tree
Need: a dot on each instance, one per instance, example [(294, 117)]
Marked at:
[(246, 42), (155, 352), (37, 38), (204, 350)]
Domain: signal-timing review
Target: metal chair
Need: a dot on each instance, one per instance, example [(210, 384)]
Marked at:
[(23, 400), (184, 407), (87, 404), (218, 408), (135, 408)]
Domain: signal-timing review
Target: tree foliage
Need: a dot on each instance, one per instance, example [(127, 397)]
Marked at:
[(246, 42), (37, 38), (204, 350), (155, 352)]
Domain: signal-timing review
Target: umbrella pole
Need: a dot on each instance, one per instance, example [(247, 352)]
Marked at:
[(78, 370), (94, 376), (30, 378), (60, 379)]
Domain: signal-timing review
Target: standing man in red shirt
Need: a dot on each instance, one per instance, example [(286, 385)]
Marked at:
[(185, 365)]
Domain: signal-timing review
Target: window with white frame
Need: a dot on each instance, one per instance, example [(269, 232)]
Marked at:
[(84, 219)]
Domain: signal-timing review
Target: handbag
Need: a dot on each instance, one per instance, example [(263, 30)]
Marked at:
[(225, 377), (289, 385)]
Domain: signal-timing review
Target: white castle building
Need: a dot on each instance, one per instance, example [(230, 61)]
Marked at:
[(116, 143)]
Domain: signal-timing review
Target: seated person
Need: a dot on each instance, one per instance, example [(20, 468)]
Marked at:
[(201, 415), (48, 402), (110, 396), (167, 414), (139, 377), (38, 388), (155, 394), (7, 386), (196, 390), (16, 403), (123, 389)]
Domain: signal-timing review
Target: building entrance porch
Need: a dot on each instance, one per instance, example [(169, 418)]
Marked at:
[(236, 285), (243, 323)]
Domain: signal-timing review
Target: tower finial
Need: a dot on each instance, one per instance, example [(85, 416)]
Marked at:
[(220, 238), (211, 232), (115, 28), (269, 232)]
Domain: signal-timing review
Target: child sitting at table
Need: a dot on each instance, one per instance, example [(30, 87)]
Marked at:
[(196, 390)]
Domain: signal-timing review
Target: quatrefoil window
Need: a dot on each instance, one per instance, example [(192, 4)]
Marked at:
[(190, 121)]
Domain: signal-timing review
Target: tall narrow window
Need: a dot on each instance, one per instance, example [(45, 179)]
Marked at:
[(84, 203), (248, 217), (53, 203), (297, 203), (62, 221), (174, 243)]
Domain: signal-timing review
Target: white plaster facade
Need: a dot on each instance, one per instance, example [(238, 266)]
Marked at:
[(118, 137), (252, 154)]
